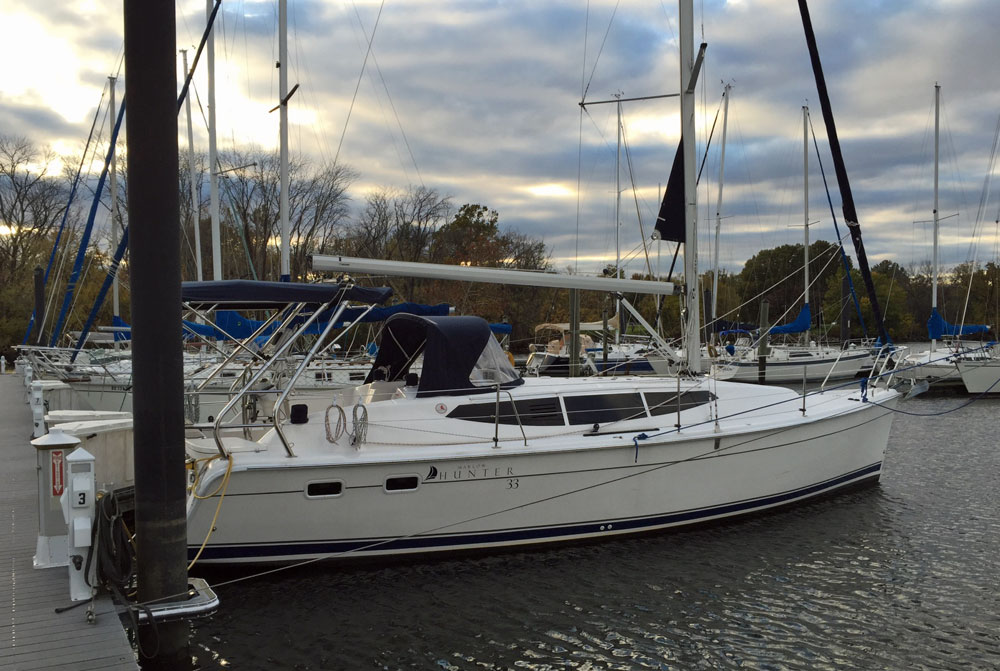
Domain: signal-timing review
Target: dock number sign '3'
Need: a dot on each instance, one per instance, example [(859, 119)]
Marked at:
[(57, 472)]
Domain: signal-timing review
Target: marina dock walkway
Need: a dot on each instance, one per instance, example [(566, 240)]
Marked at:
[(32, 634)]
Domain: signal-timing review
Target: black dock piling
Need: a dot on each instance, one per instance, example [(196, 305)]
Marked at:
[(154, 257)]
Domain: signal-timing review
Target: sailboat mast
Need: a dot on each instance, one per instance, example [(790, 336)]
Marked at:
[(193, 176), (618, 220), (805, 200), (718, 208), (213, 153), (283, 114), (115, 302), (847, 198), (934, 262), (691, 327)]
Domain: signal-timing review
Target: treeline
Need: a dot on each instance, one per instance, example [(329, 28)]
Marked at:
[(776, 275), (415, 224)]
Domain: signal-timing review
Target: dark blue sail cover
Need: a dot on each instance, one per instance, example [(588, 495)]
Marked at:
[(254, 295), (119, 323), (451, 346), (937, 327), (801, 323)]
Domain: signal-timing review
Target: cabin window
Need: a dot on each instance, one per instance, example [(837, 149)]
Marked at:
[(602, 408), (402, 483), (664, 403), (531, 412), (327, 488)]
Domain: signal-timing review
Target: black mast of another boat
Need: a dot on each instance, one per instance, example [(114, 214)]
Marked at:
[(846, 197)]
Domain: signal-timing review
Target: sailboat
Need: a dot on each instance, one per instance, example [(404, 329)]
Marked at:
[(747, 360), (467, 454), (938, 365)]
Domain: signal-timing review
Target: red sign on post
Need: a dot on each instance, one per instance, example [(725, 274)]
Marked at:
[(57, 472)]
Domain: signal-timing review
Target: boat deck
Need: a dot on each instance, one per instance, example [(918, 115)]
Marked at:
[(33, 635)]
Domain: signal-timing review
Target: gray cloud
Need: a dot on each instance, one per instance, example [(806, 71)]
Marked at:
[(487, 95)]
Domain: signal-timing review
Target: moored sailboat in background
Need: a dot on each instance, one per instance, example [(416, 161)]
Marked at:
[(936, 365)]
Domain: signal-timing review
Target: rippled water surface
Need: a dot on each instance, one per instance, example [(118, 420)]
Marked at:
[(904, 575)]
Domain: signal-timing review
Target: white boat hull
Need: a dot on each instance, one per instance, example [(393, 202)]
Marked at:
[(777, 370), (980, 377), (791, 371), (555, 489)]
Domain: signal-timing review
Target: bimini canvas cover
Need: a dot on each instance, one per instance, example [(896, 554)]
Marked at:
[(584, 326), (256, 295), (241, 327), (801, 323), (937, 327), (451, 347)]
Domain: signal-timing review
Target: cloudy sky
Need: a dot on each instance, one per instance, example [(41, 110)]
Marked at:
[(479, 100)]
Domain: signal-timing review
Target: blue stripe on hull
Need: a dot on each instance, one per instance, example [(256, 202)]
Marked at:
[(303, 550)]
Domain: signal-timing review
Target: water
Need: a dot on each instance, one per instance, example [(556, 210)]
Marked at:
[(904, 575)]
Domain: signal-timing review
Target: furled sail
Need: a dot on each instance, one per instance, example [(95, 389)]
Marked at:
[(937, 327), (670, 220)]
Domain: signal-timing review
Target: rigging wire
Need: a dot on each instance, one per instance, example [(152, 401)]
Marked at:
[(579, 146), (66, 212), (604, 41), (358, 85), (978, 226), (392, 105)]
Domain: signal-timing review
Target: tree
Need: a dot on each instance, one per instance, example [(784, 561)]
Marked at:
[(318, 206), (775, 275), (32, 203)]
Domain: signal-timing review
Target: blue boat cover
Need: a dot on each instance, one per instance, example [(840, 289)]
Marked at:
[(120, 336), (451, 347), (241, 327), (253, 294), (937, 327), (503, 329), (801, 323)]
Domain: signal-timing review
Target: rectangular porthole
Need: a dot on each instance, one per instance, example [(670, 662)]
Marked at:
[(402, 483), (324, 489)]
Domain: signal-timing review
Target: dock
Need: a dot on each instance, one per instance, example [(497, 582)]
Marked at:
[(32, 634)]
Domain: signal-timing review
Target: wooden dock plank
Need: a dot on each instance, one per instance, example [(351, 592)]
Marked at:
[(32, 634)]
